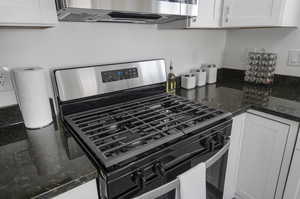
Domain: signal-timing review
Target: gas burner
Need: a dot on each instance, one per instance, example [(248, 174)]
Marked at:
[(130, 128), (113, 127)]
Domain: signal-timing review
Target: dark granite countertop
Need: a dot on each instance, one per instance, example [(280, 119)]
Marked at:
[(44, 163), (10, 116), (40, 163), (236, 97)]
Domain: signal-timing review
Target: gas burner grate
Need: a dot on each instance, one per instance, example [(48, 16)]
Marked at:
[(118, 132)]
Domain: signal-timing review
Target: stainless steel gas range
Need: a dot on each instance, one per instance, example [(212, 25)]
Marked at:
[(138, 136)]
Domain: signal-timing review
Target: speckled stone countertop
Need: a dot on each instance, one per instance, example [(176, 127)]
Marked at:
[(10, 116), (46, 162), (236, 97), (40, 163)]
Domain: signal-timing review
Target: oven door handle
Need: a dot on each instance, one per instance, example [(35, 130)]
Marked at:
[(183, 157), (217, 156)]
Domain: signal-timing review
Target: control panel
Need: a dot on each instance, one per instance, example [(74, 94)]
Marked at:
[(116, 75)]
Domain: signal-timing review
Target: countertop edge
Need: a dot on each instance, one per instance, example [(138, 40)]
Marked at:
[(67, 186)]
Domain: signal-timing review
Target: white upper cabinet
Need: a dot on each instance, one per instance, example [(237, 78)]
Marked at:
[(261, 13), (209, 14), (35, 13), (246, 13)]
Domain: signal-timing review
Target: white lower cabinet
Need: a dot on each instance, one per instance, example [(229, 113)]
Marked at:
[(87, 190), (292, 190), (259, 157)]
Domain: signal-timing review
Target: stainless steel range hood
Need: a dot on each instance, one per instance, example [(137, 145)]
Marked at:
[(130, 11)]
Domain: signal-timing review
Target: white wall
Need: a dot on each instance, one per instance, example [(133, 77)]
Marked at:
[(83, 43), (278, 40)]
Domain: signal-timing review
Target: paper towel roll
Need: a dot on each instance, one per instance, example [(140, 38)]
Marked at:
[(32, 95)]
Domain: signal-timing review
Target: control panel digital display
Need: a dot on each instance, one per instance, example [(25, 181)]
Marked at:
[(116, 75)]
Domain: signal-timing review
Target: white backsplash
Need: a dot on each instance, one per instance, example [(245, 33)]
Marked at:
[(277, 40), (71, 44)]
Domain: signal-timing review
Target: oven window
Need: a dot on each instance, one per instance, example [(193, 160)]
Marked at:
[(215, 178), (170, 195)]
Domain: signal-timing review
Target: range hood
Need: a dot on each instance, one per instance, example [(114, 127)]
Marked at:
[(128, 11)]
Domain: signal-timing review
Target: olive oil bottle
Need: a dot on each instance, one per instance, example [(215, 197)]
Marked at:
[(171, 81)]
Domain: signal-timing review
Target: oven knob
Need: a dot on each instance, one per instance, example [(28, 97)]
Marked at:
[(139, 179), (208, 143), (212, 145), (221, 138), (159, 169)]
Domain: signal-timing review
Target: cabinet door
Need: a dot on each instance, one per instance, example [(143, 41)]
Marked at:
[(261, 157), (48, 12), (292, 190), (252, 13), (87, 190), (27, 13), (209, 14)]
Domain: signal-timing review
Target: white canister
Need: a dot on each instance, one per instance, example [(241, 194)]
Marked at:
[(188, 81), (211, 76), (200, 77)]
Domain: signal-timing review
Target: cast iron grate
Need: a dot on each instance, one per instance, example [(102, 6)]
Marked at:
[(121, 131)]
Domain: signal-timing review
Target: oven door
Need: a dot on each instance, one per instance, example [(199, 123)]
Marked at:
[(210, 146), (216, 168), (215, 174), (216, 163)]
